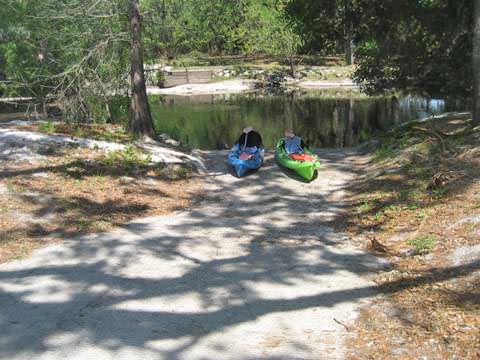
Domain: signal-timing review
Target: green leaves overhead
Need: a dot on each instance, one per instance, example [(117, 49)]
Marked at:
[(415, 45), (215, 27), (79, 48), (71, 50)]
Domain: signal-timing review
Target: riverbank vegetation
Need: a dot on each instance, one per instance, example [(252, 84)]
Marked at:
[(418, 206), (421, 46)]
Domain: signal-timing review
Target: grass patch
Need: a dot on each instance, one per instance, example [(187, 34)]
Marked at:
[(128, 160), (413, 206), (10, 186), (421, 171), (365, 207), (378, 216), (392, 208), (421, 214), (439, 193), (384, 152), (476, 206), (423, 244), (47, 127), (173, 172)]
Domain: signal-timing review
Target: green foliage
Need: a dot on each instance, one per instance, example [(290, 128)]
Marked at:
[(216, 27), (119, 106), (392, 208), (423, 244), (178, 27), (173, 172), (365, 207), (10, 186), (322, 23), (86, 67), (476, 206), (378, 216), (47, 127), (77, 51), (413, 206), (107, 109), (440, 192), (422, 214), (368, 205), (391, 143), (81, 68), (384, 152), (129, 160), (414, 45), (24, 54), (272, 32)]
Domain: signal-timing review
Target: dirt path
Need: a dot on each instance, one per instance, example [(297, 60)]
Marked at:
[(254, 272)]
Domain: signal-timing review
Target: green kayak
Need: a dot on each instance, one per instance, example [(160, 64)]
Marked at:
[(306, 169)]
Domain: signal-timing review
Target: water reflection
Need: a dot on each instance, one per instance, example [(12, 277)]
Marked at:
[(214, 121)]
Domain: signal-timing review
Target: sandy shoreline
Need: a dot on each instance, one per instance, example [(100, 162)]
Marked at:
[(220, 87), (239, 85), (322, 84)]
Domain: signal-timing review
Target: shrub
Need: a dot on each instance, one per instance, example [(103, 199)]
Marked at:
[(423, 244), (47, 127), (129, 159)]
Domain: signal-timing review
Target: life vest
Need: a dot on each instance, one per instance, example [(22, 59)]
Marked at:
[(251, 139), (293, 145)]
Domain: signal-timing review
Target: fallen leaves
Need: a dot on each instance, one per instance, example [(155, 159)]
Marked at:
[(431, 308), (74, 196)]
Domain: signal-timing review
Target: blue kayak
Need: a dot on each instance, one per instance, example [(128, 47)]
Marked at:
[(242, 167)]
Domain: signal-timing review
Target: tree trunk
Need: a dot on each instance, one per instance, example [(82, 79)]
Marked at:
[(476, 63), (291, 61), (139, 118), (349, 47), (348, 29)]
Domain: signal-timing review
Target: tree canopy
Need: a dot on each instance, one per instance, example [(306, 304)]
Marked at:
[(419, 45), (79, 51)]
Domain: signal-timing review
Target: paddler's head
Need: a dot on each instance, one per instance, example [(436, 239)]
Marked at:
[(289, 133), (248, 129)]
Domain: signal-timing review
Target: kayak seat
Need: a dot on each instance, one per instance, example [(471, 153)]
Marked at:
[(301, 157)]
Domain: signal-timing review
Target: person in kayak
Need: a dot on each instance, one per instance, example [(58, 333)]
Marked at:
[(249, 143), (247, 153), (294, 146)]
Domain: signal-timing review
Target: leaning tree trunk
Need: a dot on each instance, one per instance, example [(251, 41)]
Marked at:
[(476, 63), (139, 118)]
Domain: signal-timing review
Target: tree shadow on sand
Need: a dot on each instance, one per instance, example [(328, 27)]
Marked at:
[(188, 279)]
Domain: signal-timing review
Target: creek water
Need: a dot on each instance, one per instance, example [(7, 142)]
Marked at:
[(323, 120)]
